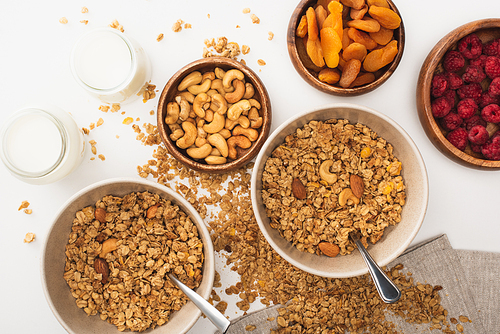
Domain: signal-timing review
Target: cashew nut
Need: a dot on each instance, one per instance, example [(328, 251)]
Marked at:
[(255, 119), (199, 142), (237, 141), (201, 88), (249, 91), (208, 75), (187, 95), (216, 125), (346, 195), (242, 120), (192, 78), (209, 116), (177, 132), (239, 91), (215, 160), (108, 246), (172, 113), (215, 152), (185, 107), (225, 133), (201, 103), (250, 133), (237, 109), (217, 85), (254, 103), (219, 72), (189, 137), (219, 104), (199, 152), (324, 172), (220, 143), (230, 76), (212, 92)]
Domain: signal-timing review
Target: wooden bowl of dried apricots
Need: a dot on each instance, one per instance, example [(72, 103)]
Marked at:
[(346, 47)]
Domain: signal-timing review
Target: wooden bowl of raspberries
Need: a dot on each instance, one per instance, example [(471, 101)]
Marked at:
[(346, 47), (458, 95)]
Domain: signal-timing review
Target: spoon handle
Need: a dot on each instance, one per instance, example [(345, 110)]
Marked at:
[(387, 290), (217, 318)]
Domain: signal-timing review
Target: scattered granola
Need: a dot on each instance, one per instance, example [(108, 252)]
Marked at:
[(30, 237), (117, 260), (222, 48), (28, 211), (159, 38), (271, 35), (24, 205), (187, 26), (115, 107), (147, 92), (92, 126), (250, 328), (245, 49), (63, 20), (102, 157), (100, 122), (84, 21), (104, 108), (128, 120), (336, 145), (255, 19), (116, 25), (177, 27), (246, 10), (85, 10), (261, 62)]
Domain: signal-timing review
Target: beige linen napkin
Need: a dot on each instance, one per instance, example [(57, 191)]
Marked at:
[(470, 281)]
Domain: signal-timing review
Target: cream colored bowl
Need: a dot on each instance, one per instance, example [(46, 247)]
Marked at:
[(396, 238), (57, 292)]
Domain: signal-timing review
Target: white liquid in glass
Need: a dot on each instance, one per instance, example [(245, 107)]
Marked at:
[(33, 143), (103, 60)]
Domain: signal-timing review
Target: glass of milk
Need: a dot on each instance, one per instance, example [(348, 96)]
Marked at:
[(110, 65), (41, 144)]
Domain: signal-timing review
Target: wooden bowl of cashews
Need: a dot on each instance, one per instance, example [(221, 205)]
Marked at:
[(214, 115)]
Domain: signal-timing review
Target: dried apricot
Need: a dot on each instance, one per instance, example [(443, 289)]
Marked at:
[(379, 3), (356, 4), (363, 79), (346, 40), (331, 45), (358, 14), (383, 36), (377, 59), (304, 57), (354, 51), (312, 24), (385, 16), (315, 52), (366, 24), (329, 75), (350, 72), (362, 37), (321, 15), (324, 3), (334, 20), (302, 28)]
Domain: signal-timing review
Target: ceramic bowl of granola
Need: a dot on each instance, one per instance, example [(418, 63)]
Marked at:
[(334, 170), (107, 255), (214, 115), (346, 48)]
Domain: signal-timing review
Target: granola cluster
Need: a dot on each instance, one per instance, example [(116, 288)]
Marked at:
[(119, 254), (353, 149)]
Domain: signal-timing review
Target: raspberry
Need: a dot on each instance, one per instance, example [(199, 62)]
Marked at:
[(473, 73), (478, 135), (476, 148), (492, 67), (473, 91), (473, 121), (454, 80), (494, 88), (491, 113), (458, 138), (470, 46), (450, 95), (439, 85), (466, 108), (491, 150), (453, 61), (451, 121), (496, 134), (487, 98), (441, 107), (479, 61), (491, 48)]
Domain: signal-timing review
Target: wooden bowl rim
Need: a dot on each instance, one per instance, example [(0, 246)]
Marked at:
[(427, 70), (260, 90), (327, 88)]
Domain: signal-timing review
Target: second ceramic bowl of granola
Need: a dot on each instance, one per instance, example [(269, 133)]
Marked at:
[(333, 170)]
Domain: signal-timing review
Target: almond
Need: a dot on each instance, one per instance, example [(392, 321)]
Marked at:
[(298, 189), (100, 215), (101, 267), (151, 213), (108, 246), (329, 249), (357, 185)]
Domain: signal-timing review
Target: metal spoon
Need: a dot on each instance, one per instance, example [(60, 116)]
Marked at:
[(387, 290), (217, 318)]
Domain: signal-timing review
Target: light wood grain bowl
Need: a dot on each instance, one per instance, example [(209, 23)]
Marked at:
[(170, 91), (311, 76), (487, 29)]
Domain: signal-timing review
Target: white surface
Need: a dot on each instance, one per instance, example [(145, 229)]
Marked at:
[(34, 66)]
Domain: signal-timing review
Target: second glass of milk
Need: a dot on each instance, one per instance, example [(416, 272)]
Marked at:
[(110, 65)]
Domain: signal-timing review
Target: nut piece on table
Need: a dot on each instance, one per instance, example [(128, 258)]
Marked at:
[(329, 249), (298, 189)]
